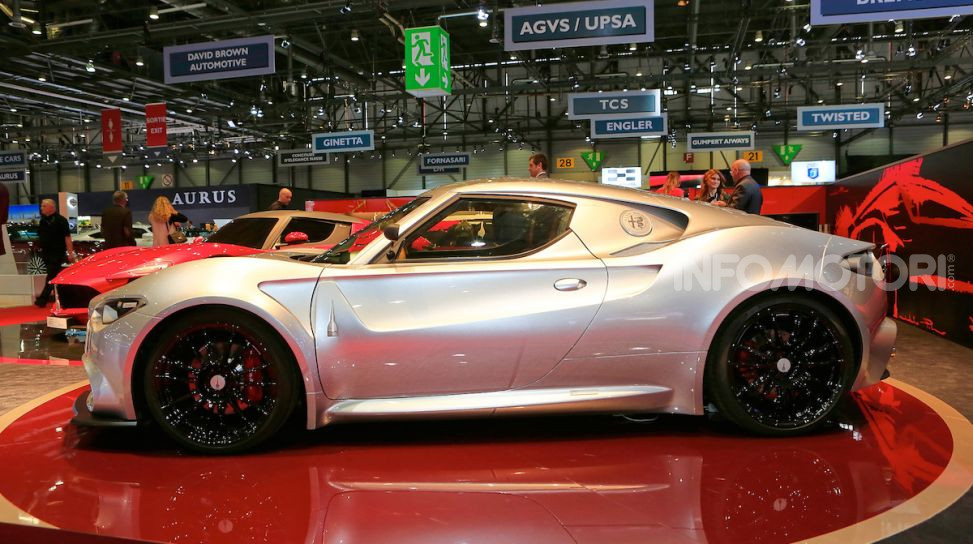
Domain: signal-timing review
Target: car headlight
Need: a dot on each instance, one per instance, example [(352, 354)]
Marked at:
[(143, 269), (112, 310), (864, 263)]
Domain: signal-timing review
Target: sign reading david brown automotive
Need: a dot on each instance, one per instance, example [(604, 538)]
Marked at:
[(13, 159), (300, 157), (339, 142), (617, 104), (219, 60), (720, 141), (14, 175), (634, 127), (834, 12), (839, 117), (578, 24)]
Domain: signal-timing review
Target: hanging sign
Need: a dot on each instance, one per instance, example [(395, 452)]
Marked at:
[(720, 141), (592, 159), (300, 157), (111, 130), (145, 181), (445, 160), (427, 68), (225, 59), (752, 156), (629, 127), (834, 12), (787, 153), (839, 117), (579, 23), (337, 142), (618, 104), (13, 159), (13, 175), (155, 125), (564, 163)]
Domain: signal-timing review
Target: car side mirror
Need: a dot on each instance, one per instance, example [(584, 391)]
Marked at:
[(391, 232), (295, 238)]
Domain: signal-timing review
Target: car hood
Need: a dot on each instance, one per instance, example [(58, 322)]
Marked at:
[(124, 263)]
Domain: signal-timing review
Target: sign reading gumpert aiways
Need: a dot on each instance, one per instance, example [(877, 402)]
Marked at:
[(617, 104), (634, 127), (219, 60), (833, 12), (839, 117), (579, 23), (339, 142), (720, 141)]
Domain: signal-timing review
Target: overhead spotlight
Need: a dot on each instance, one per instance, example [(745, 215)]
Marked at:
[(125, 99), (911, 51), (346, 9), (839, 83), (638, 74), (90, 67), (776, 92), (139, 62), (189, 109), (859, 54), (354, 35), (899, 27), (939, 118), (36, 29), (918, 115), (41, 77), (948, 75), (304, 74), (915, 99), (154, 13), (758, 37), (482, 15), (632, 47), (800, 42), (807, 27)]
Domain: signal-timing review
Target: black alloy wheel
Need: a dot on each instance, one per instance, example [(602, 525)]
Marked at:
[(220, 382), (780, 366)]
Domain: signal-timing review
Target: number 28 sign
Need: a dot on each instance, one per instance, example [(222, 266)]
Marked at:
[(565, 163)]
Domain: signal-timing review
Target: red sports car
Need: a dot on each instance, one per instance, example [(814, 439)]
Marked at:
[(245, 235)]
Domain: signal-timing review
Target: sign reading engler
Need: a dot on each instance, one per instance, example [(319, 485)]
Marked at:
[(352, 140), (219, 60), (632, 127), (579, 23), (298, 157)]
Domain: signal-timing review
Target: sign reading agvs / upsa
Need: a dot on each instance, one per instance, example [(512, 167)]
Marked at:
[(427, 68), (579, 23)]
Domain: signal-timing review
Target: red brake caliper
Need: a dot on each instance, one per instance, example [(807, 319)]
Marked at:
[(255, 377)]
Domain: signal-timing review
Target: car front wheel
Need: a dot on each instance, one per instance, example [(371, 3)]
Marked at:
[(219, 381), (781, 365)]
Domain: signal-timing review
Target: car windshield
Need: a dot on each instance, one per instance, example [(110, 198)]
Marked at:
[(246, 231), (341, 252)]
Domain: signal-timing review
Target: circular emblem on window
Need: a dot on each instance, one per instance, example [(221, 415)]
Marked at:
[(635, 223)]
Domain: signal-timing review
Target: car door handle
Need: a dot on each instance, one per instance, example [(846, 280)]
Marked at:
[(569, 284)]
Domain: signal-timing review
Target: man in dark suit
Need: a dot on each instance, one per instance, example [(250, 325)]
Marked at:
[(54, 235), (4, 209), (116, 222), (746, 195), (283, 200)]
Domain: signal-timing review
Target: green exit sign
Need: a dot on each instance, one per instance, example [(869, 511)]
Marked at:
[(427, 69)]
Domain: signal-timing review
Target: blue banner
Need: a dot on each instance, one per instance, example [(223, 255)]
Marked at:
[(13, 159), (338, 142), (630, 127), (618, 104), (859, 11), (13, 175), (579, 23), (840, 117), (219, 60), (720, 141)]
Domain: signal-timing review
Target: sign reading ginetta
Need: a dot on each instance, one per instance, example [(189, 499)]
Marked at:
[(830, 12), (624, 104), (352, 140), (13, 159), (219, 60), (838, 117), (579, 23), (632, 127), (720, 141)]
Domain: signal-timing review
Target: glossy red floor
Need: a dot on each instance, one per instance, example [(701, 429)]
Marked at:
[(597, 479)]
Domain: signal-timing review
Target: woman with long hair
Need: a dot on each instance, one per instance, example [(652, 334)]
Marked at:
[(671, 186), (164, 220), (710, 190)]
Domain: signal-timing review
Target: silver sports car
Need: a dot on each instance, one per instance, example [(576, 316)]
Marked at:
[(499, 297)]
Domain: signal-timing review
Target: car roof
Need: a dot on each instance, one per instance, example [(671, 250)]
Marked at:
[(324, 216)]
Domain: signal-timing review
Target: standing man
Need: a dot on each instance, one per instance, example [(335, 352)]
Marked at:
[(4, 212), (283, 200), (116, 222), (746, 194), (54, 235), (537, 165)]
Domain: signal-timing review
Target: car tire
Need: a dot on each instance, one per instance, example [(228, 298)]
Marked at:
[(780, 365), (219, 381)]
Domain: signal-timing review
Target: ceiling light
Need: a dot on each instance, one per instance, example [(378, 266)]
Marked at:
[(758, 37), (682, 3), (189, 110), (125, 99), (483, 23), (90, 67), (154, 13), (638, 74), (41, 77), (919, 115), (36, 30), (482, 15), (899, 27), (632, 47), (839, 84), (139, 61), (346, 9), (354, 35), (949, 75)]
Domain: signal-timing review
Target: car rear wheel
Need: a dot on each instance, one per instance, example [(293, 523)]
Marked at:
[(781, 365), (220, 382)]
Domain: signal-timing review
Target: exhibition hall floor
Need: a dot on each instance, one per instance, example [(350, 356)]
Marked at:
[(899, 453)]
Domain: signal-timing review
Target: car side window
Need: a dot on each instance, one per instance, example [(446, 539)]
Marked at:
[(316, 229), (475, 228)]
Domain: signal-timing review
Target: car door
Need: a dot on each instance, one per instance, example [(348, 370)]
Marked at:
[(486, 294)]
